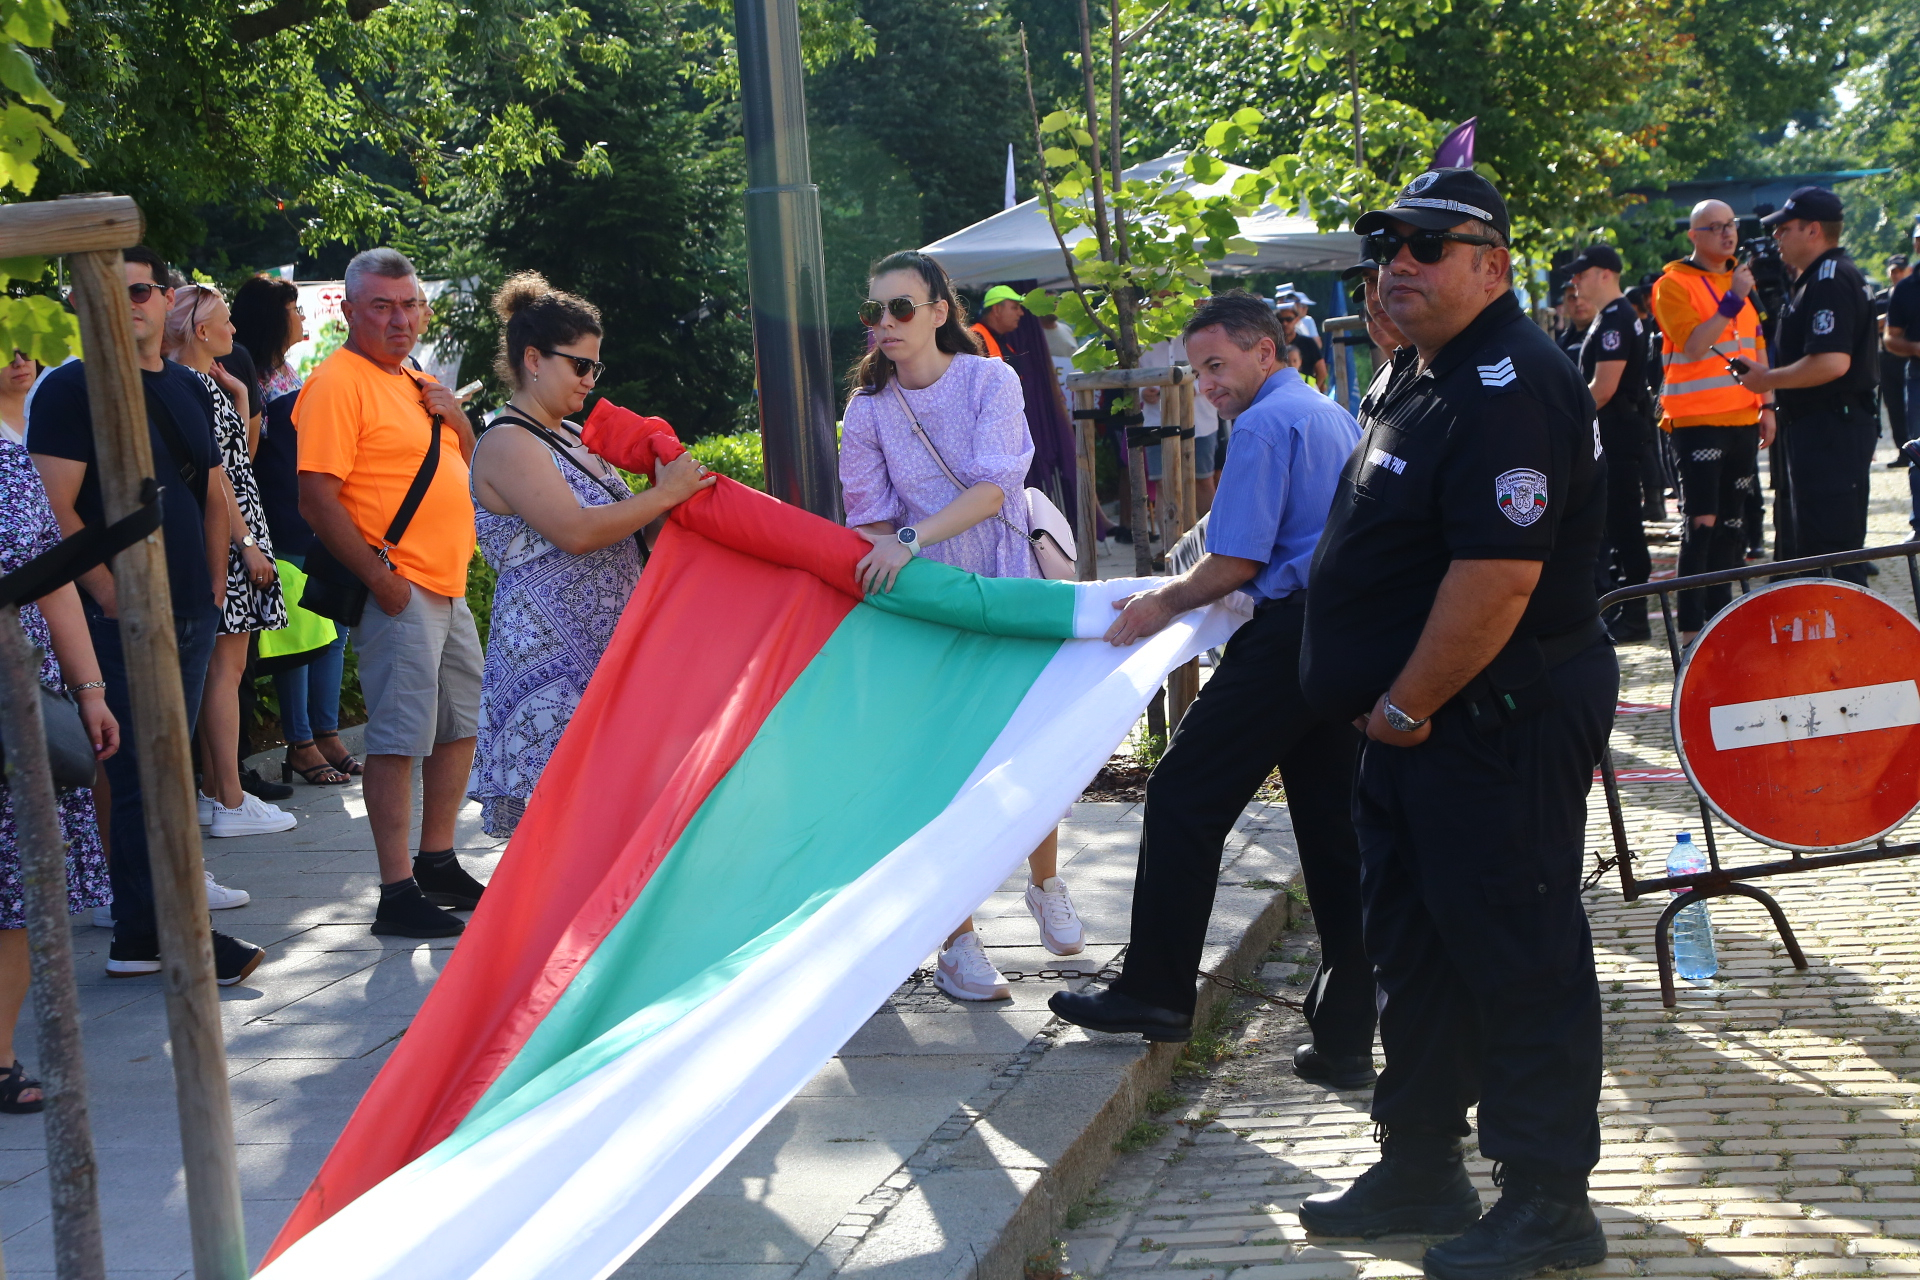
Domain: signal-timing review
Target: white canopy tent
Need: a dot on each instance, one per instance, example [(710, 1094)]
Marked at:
[(1018, 244)]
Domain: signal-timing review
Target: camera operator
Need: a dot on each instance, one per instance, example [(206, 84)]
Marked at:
[(1708, 320), (1824, 379)]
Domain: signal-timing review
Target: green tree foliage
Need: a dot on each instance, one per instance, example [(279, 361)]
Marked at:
[(30, 321)]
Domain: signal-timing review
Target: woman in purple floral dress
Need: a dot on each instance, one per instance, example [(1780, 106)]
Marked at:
[(56, 627), (924, 366)]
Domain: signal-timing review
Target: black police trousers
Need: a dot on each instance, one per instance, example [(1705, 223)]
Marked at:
[(1249, 719), (1829, 464), (1626, 545), (1471, 848)]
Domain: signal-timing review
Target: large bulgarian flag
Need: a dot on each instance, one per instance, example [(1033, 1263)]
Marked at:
[(775, 800)]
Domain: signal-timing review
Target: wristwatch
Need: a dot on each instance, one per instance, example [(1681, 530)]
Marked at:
[(1399, 721), (910, 539), (249, 541)]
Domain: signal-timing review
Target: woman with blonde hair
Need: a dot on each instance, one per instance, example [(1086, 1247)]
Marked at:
[(199, 330), (927, 405)]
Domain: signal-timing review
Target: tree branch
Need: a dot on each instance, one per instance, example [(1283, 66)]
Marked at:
[(1046, 192), (247, 28), (1093, 131)]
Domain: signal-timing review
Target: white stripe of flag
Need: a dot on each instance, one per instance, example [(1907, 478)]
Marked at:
[(1815, 715)]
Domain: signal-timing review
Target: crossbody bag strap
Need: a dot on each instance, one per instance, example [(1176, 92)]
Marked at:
[(190, 473), (417, 491), (920, 433), (560, 447)]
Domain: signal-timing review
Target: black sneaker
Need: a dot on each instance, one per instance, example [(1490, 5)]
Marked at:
[(254, 785), (448, 885), (132, 957), (1530, 1229), (234, 958), (1336, 1071), (408, 914), (1419, 1187)]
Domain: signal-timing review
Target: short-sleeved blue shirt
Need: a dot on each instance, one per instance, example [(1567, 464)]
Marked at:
[(1282, 469)]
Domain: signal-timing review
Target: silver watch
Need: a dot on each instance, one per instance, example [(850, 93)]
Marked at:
[(248, 540), (910, 539), (1399, 721)]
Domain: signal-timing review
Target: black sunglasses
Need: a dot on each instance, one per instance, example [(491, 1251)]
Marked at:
[(901, 308), (1427, 246), (581, 365), (139, 293)]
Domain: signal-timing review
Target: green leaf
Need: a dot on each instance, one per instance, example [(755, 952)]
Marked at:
[(1059, 155), (18, 74), (1248, 118), (1040, 302), (1059, 122), (21, 269)]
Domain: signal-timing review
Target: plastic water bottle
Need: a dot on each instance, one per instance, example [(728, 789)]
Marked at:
[(1694, 957)]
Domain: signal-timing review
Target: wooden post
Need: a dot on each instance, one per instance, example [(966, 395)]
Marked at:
[(122, 459), (1086, 562), (1183, 685), (72, 1175), (1173, 486), (1188, 463)]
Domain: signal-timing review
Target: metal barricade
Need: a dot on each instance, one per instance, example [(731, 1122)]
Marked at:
[(1720, 881)]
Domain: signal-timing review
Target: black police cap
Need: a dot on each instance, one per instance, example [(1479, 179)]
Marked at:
[(1596, 255), (1810, 204), (1439, 199), (1893, 260), (1367, 266)]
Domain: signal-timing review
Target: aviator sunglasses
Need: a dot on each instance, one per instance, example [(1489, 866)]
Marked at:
[(139, 293), (1427, 246), (582, 366), (901, 308)]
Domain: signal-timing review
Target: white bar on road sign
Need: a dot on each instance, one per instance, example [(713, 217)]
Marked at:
[(1815, 715)]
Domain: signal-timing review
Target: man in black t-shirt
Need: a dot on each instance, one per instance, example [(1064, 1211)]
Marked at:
[(187, 463), (1613, 360), (1451, 611), (1823, 377), (1893, 368), (1901, 339)]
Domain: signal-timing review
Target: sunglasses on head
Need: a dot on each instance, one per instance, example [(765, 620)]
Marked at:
[(142, 291), (901, 309), (1427, 246), (582, 366)]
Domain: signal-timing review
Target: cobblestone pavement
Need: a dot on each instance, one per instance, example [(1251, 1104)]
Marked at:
[(1768, 1125)]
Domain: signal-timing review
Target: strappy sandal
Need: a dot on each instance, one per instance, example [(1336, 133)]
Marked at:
[(323, 774), (16, 1082), (345, 764)]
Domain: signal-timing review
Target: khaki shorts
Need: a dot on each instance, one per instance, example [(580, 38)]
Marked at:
[(420, 673)]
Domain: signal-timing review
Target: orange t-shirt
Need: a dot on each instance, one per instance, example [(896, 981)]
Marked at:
[(369, 428)]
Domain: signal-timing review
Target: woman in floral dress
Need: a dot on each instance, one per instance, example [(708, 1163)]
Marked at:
[(56, 627), (561, 529), (924, 365)]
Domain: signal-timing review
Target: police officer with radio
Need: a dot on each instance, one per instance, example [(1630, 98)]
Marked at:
[(1613, 360), (1451, 610), (1825, 361)]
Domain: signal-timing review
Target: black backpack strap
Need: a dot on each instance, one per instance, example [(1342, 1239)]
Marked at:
[(71, 557), (190, 473), (417, 491)]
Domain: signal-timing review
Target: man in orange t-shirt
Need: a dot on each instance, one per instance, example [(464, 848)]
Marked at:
[(365, 420)]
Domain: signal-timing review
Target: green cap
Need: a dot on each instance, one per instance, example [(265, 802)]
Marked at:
[(1002, 293)]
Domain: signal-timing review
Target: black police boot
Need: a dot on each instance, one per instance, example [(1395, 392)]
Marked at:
[(1120, 1014), (1540, 1221), (1336, 1071), (1419, 1187)]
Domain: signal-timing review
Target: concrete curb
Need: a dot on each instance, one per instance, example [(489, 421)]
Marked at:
[(991, 1188)]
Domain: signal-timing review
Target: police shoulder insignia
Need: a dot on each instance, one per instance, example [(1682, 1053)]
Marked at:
[(1498, 374), (1610, 339), (1522, 495), (1826, 269), (1823, 322)]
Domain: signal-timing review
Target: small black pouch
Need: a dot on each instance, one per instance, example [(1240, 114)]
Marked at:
[(1513, 686)]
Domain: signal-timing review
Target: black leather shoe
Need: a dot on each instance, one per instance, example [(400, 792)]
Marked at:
[(1336, 1071), (1531, 1229), (1116, 1012), (254, 785), (1419, 1187)]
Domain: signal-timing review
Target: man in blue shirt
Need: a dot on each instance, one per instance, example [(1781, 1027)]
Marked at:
[(1290, 445)]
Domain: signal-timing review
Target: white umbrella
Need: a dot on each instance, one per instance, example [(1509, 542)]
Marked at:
[(1017, 243)]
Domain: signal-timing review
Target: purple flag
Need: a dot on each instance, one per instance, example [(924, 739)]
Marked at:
[(1456, 149)]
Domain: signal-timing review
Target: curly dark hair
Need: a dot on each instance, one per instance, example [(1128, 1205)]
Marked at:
[(259, 310)]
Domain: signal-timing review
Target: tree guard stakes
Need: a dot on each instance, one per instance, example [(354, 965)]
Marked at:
[(92, 231), (1177, 509), (1797, 720)]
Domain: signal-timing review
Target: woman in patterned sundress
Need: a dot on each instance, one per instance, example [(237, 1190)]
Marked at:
[(199, 328), (560, 528), (57, 628)]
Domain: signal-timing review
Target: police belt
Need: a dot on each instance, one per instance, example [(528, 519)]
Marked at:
[(1516, 683)]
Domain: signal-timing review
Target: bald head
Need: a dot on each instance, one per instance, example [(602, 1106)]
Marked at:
[(1715, 234)]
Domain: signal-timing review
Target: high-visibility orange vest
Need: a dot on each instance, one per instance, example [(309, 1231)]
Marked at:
[(986, 340), (1693, 388)]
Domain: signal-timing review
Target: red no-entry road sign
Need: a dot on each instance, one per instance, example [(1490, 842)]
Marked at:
[(1797, 715)]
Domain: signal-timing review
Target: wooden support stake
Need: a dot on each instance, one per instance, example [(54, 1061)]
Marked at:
[(1188, 463), (1142, 532), (123, 459), (1172, 487), (1086, 525), (72, 1175)]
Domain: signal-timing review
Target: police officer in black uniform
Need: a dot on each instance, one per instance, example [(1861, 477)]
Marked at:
[(1825, 361), (1452, 611), (1613, 360)]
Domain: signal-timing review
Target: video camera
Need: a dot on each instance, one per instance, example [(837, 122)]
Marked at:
[(1760, 253)]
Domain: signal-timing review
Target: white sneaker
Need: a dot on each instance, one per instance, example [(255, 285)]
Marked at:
[(207, 805), (103, 917), (1052, 909), (965, 973), (220, 898), (251, 817)]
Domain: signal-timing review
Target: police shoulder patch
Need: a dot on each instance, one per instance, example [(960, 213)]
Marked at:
[(1521, 495), (1610, 339), (1826, 268), (1823, 322)]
